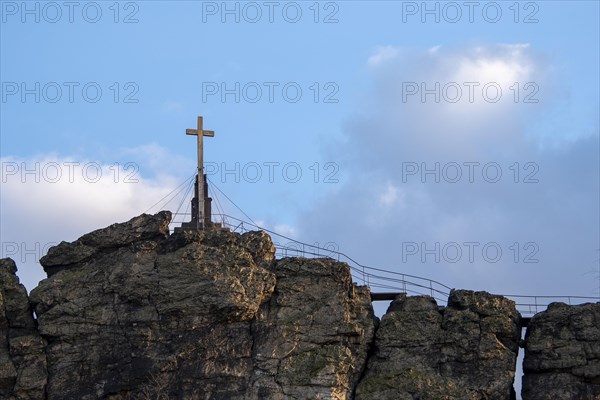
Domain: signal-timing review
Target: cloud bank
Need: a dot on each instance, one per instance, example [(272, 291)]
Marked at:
[(456, 158)]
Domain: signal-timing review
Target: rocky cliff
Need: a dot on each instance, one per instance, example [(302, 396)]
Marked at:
[(22, 359), (134, 312), (466, 350), (562, 353)]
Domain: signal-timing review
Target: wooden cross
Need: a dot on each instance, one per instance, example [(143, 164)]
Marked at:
[(200, 180)]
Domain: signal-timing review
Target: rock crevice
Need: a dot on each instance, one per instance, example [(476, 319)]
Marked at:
[(22, 359), (423, 350)]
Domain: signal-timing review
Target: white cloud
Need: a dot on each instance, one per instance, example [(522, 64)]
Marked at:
[(389, 196), (504, 64), (382, 54), (453, 100), (434, 49), (464, 83), (284, 229), (48, 198), (558, 214), (158, 159)]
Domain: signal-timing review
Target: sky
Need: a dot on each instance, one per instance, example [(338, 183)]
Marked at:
[(457, 141)]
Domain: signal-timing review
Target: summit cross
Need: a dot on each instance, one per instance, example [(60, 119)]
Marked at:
[(201, 215)]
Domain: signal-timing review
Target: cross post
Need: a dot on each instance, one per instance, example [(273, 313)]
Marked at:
[(201, 217)]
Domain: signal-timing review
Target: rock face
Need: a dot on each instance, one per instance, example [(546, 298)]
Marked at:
[(133, 312), (314, 333), (562, 353), (139, 230), (22, 358), (467, 350), (130, 311)]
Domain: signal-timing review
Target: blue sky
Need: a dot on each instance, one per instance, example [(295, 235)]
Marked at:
[(361, 129)]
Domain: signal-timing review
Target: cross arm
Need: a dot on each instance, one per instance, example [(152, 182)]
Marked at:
[(195, 132)]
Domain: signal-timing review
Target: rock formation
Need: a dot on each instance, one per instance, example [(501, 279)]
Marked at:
[(466, 350), (312, 337), (134, 312), (22, 359), (562, 353)]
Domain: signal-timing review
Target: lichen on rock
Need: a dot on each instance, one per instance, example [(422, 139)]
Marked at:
[(562, 353), (197, 314), (466, 350), (133, 311), (313, 336)]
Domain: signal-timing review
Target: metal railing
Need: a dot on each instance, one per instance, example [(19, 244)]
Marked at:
[(529, 305), (385, 279), (369, 276)]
